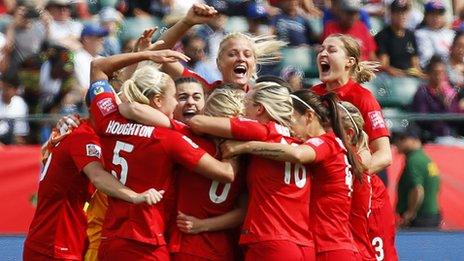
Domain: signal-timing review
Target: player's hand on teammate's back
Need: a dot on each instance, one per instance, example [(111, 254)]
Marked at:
[(151, 197), (189, 224), (231, 148)]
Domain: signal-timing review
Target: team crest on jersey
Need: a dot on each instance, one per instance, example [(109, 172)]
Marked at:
[(376, 119), (93, 150), (316, 141), (106, 106), (193, 144)]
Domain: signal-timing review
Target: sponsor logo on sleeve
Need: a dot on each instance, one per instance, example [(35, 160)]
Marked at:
[(93, 150), (193, 144), (106, 106), (376, 119)]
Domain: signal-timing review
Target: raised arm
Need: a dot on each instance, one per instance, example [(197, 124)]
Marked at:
[(103, 68), (216, 126), (108, 184), (302, 154), (197, 14)]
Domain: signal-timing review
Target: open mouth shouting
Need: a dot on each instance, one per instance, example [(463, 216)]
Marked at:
[(240, 71), (325, 66), (189, 113)]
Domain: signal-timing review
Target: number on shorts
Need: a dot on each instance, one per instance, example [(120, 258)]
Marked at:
[(377, 242), (300, 180), (213, 192), (118, 160)]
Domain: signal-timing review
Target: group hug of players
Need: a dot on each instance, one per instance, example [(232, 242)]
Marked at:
[(237, 169)]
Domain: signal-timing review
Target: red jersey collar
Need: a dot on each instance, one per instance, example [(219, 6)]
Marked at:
[(340, 91)]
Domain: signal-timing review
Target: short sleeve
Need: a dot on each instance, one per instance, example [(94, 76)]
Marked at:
[(192, 74), (85, 148), (246, 130), (102, 102), (375, 125), (321, 147), (182, 149)]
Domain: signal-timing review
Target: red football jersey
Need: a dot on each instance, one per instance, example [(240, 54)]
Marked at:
[(331, 194), (203, 198), (360, 211), (278, 192), (362, 98), (58, 227), (141, 157)]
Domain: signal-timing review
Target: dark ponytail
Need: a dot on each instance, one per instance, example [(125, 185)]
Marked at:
[(336, 121)]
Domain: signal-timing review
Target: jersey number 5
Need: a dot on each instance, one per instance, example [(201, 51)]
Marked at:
[(118, 160)]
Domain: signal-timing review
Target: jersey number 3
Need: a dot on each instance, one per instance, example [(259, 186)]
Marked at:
[(118, 160)]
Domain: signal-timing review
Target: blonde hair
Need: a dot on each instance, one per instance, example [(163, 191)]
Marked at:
[(362, 71), (352, 119), (265, 47), (144, 84), (276, 99), (225, 101)]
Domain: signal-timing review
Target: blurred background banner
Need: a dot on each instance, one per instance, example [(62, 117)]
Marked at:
[(19, 176), (21, 167)]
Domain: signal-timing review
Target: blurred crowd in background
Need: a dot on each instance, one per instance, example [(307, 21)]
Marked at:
[(46, 48)]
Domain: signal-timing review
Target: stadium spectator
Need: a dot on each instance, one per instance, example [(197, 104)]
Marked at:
[(110, 20), (57, 81), (63, 30), (435, 96), (92, 38), (213, 32), (455, 64), (332, 12), (348, 23), (25, 36), (291, 27), (433, 37), (12, 131), (194, 47), (418, 185), (397, 46)]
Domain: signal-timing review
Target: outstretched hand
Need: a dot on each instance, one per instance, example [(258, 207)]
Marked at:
[(144, 41)]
